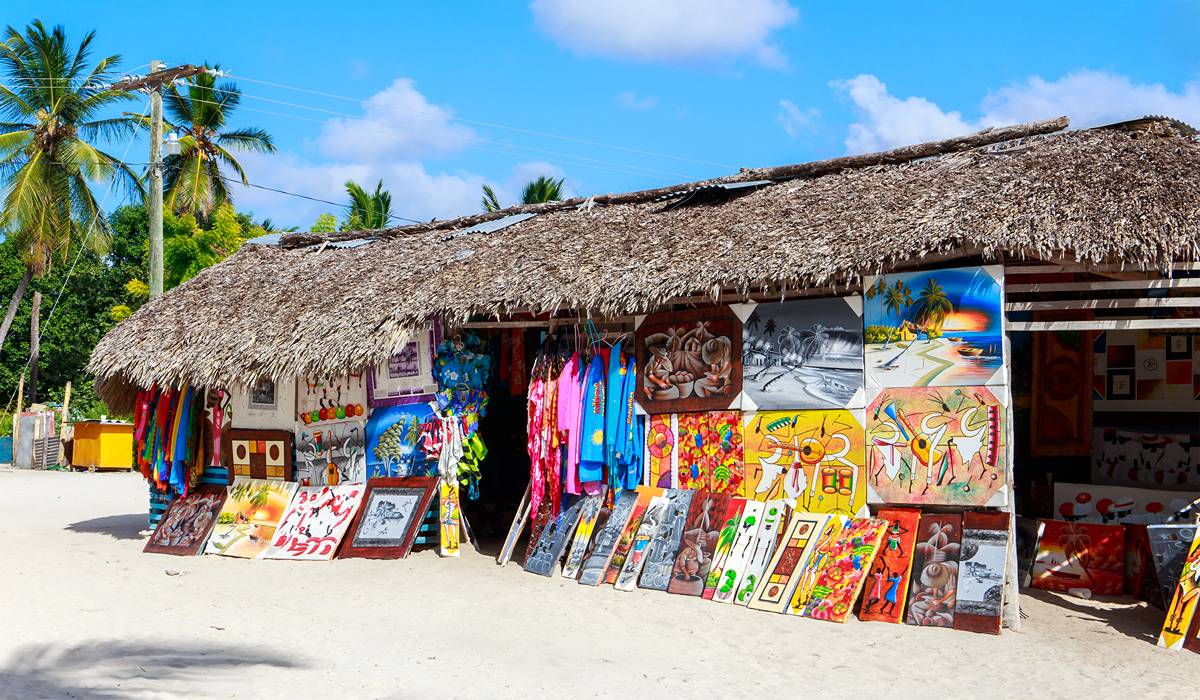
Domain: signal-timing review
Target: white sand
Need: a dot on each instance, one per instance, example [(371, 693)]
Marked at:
[(84, 614)]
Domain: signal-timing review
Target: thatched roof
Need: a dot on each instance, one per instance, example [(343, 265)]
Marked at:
[(1127, 194)]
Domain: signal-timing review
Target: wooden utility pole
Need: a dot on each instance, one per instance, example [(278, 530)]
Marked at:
[(35, 323), (62, 430)]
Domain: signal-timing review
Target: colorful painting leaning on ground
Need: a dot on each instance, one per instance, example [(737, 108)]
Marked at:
[(935, 328), (188, 522), (246, 524), (314, 524), (811, 459)]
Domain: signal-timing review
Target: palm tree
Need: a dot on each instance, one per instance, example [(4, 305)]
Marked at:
[(49, 107), (368, 210), (193, 179), (537, 191), (896, 300), (933, 306)]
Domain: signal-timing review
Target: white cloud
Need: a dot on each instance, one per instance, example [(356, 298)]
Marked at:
[(667, 30), (796, 121), (397, 122), (630, 100), (1087, 97)]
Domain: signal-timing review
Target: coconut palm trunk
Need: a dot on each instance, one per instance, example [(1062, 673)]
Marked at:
[(15, 303)]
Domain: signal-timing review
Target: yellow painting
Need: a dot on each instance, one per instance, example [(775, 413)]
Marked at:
[(1181, 627), (814, 460), (247, 522), (448, 518)]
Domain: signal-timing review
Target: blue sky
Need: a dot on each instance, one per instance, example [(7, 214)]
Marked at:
[(674, 89)]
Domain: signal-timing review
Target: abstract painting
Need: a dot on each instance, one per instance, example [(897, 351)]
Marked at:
[(689, 360), (773, 517), (1062, 407), (217, 417), (393, 441), (1169, 546), (608, 538), (982, 564), (188, 521), (800, 540), (668, 538), (698, 543), (589, 515), (1118, 504), (1080, 555), (648, 525), (625, 542), (331, 454), (247, 521), (944, 446), (832, 581), (1156, 460), (935, 571), (709, 452), (553, 540), (449, 518), (732, 522), (1144, 370), (331, 401), (1180, 626), (887, 583), (813, 460), (407, 376), (258, 454), (662, 455), (390, 518), (315, 522), (265, 404), (803, 354), (739, 555), (935, 327)]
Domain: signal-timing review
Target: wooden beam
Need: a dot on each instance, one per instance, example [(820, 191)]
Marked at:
[(1104, 324), (1177, 283), (1163, 302), (1018, 270)]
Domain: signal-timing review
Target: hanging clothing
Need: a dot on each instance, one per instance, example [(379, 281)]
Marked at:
[(570, 396), (592, 446), (615, 429), (535, 405)]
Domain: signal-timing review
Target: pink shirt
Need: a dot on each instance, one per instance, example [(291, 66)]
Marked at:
[(570, 396)]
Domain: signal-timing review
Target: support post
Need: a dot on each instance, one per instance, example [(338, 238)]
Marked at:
[(62, 426), (1011, 612), (154, 199), (35, 322)]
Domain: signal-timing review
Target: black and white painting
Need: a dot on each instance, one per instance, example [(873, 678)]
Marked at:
[(596, 565), (553, 541), (660, 558), (982, 559), (803, 354), (387, 516)]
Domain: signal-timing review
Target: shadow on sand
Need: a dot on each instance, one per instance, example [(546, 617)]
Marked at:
[(1134, 618), (118, 527)]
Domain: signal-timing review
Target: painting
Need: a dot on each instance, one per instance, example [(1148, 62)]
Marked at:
[(1145, 371), (935, 571), (887, 583), (608, 538), (1080, 555), (980, 596), (935, 328), (800, 540), (625, 542), (803, 354), (731, 525), (449, 519), (588, 517), (1062, 406), (834, 577), (774, 513), (689, 360), (813, 460), (698, 543), (334, 400), (1155, 460), (393, 441), (217, 419), (264, 404), (943, 446), (315, 522), (659, 568), (652, 519), (387, 524), (407, 376), (1181, 623), (247, 521), (750, 522), (1118, 504), (331, 454), (709, 452), (662, 457), (258, 454), (553, 540), (185, 526), (1169, 546)]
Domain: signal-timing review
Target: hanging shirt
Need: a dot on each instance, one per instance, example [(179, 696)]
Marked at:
[(632, 433), (535, 405), (614, 413), (591, 449), (570, 396)]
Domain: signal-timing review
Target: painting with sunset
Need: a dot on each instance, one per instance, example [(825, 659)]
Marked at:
[(935, 328), (247, 522)]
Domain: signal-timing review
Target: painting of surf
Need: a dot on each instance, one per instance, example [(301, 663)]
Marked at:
[(935, 328)]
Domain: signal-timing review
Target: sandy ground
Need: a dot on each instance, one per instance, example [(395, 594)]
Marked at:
[(84, 614)]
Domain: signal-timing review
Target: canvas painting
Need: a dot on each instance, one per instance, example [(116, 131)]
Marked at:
[(264, 404), (731, 524), (315, 522), (689, 360), (553, 540), (803, 535), (450, 519), (625, 542), (407, 376), (258, 454), (1061, 419), (774, 514), (651, 521), (1154, 460), (803, 354), (887, 583), (813, 460), (185, 526), (393, 441), (321, 402), (935, 328), (1080, 555), (247, 521), (709, 452), (725, 589), (588, 517), (980, 594), (1118, 504), (1144, 370), (607, 539), (698, 543), (387, 523), (662, 456), (1181, 626), (668, 538), (931, 594), (832, 581), (331, 454), (944, 446), (1169, 545), (218, 415)]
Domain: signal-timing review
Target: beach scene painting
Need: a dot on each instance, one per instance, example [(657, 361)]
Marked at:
[(803, 354), (935, 328)]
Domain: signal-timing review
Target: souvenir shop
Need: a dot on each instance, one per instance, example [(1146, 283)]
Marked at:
[(916, 441)]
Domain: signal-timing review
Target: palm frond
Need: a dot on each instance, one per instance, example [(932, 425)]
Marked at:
[(490, 201), (247, 139)]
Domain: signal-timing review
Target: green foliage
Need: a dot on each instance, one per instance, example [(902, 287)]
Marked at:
[(189, 247), (538, 191), (325, 223), (878, 334), (368, 211), (490, 201)]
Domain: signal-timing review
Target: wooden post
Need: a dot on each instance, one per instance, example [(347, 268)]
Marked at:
[(1011, 612), (62, 429), (34, 345)]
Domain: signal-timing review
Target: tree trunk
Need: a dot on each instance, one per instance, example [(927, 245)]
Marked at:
[(14, 304), (35, 341)]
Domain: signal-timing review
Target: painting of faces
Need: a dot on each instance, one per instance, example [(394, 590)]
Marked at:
[(689, 360), (187, 523)]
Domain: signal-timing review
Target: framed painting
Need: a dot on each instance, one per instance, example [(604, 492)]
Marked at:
[(813, 460), (698, 543), (328, 401), (315, 522), (331, 454), (804, 354), (1144, 370), (935, 571), (980, 596), (189, 520), (935, 327), (264, 404), (389, 518), (689, 360), (258, 454), (248, 518), (394, 441), (1080, 555), (668, 538), (938, 446), (407, 376), (887, 583), (596, 565), (1150, 459)]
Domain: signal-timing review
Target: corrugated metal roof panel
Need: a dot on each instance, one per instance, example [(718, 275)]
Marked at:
[(267, 239), (496, 224)]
